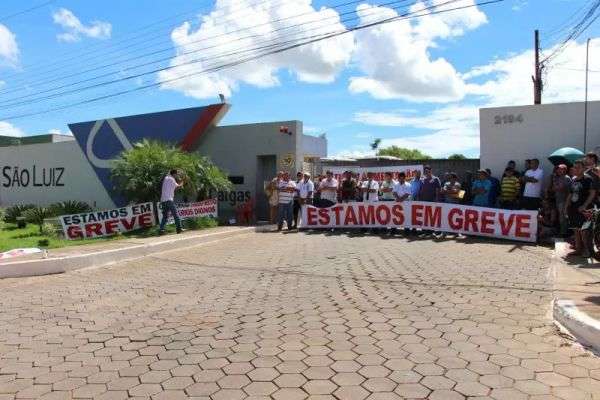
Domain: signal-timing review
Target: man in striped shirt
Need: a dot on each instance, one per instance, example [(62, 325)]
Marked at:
[(510, 188), (286, 190)]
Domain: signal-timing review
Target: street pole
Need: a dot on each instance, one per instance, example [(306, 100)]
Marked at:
[(585, 113), (537, 79)]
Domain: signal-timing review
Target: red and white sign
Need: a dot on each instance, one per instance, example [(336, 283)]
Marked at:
[(469, 220), (379, 172), (108, 222), (206, 208)]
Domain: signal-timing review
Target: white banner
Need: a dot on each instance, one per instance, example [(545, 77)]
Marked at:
[(206, 208), (108, 222), (379, 172), (479, 221)]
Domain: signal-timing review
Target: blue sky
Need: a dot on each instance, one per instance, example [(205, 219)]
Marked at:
[(414, 83)]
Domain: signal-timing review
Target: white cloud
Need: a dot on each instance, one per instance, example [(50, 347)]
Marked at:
[(59, 132), (395, 58), (9, 50), (503, 82), (74, 28), (8, 129), (354, 152), (269, 21)]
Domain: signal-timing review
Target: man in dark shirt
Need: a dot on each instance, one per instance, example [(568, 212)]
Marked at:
[(580, 199), (348, 188), (430, 186)]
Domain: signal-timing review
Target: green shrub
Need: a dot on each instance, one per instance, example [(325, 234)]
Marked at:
[(49, 230), (13, 212), (43, 243), (200, 223), (37, 215), (2, 215), (70, 207)]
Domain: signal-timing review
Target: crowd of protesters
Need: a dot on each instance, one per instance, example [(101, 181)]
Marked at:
[(563, 203)]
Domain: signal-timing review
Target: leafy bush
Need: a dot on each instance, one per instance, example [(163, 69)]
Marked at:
[(200, 223), (2, 214), (37, 215), (138, 172), (13, 212), (49, 230), (70, 207), (43, 243)]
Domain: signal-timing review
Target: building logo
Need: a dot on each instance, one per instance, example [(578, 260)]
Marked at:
[(103, 141)]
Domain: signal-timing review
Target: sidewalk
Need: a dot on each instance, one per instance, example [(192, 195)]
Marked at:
[(98, 254), (577, 295)]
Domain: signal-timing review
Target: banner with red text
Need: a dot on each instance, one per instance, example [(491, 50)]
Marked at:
[(409, 170), (469, 220), (108, 222), (206, 208)]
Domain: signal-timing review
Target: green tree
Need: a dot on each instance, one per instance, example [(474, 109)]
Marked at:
[(457, 156), (138, 172), (403, 153), (375, 144)]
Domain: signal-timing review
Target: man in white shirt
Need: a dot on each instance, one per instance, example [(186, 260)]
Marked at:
[(286, 190), (532, 193), (369, 189), (387, 188), (328, 189), (169, 185), (304, 189), (402, 189)]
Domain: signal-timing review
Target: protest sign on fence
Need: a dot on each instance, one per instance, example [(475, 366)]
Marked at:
[(409, 170), (108, 222), (480, 221), (206, 208)]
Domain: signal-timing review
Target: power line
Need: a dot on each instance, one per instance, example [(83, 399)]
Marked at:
[(409, 15), (11, 102), (16, 14)]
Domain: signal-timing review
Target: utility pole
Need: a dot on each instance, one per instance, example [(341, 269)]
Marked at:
[(537, 79), (585, 115)]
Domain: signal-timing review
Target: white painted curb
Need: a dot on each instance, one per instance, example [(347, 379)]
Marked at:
[(583, 327), (18, 269)]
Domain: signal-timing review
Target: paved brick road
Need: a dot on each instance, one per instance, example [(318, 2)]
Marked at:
[(271, 316)]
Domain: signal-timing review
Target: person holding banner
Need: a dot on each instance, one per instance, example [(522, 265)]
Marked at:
[(296, 209), (305, 189), (369, 189), (329, 189), (169, 185), (452, 189), (348, 187), (387, 188)]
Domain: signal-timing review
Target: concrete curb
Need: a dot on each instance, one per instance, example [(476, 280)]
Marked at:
[(584, 328), (48, 266)]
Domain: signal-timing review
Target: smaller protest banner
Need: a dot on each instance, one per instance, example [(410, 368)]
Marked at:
[(454, 218), (108, 222), (206, 208), (409, 171)]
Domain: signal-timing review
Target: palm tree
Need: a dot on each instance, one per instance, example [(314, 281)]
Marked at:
[(375, 145)]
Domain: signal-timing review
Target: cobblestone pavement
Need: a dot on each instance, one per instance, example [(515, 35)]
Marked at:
[(276, 316)]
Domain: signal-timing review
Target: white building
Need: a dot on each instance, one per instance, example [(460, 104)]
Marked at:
[(535, 131)]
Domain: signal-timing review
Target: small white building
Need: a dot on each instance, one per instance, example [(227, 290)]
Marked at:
[(535, 131)]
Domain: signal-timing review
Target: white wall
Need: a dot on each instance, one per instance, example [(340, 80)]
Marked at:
[(78, 180), (544, 129)]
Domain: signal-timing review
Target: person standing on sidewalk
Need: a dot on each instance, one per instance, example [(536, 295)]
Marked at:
[(286, 190), (169, 185), (561, 186)]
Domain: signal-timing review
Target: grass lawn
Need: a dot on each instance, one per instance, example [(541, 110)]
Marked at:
[(13, 238)]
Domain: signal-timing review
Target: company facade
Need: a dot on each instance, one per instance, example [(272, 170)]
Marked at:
[(78, 167)]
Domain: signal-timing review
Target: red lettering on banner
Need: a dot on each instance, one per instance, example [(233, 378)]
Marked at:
[(504, 226), (417, 215), (128, 225), (522, 222), (455, 223), (337, 210), (433, 216), (388, 215), (471, 220), (366, 214), (487, 219), (74, 232), (324, 218), (350, 217), (145, 220), (111, 226), (398, 212), (311, 216), (90, 229)]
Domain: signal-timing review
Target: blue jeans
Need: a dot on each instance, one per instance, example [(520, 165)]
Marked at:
[(169, 206), (285, 212)]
